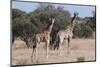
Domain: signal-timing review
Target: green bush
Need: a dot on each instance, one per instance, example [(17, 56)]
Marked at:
[(82, 31), (80, 59)]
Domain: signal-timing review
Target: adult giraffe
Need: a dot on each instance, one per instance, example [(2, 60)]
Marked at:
[(67, 33), (44, 35)]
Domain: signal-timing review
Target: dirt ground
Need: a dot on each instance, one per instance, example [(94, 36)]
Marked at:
[(80, 49)]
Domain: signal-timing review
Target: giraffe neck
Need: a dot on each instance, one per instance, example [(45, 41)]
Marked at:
[(73, 22), (71, 26), (51, 26)]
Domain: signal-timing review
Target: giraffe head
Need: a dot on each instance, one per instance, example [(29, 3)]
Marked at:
[(75, 14), (52, 19), (74, 21)]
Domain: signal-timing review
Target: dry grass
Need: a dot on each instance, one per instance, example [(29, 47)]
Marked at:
[(80, 50)]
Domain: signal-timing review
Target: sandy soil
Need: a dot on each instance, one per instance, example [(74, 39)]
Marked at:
[(79, 48)]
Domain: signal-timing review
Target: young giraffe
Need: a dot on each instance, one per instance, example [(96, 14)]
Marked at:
[(66, 35), (44, 35)]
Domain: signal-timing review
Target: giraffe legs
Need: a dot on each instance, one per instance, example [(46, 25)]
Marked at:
[(68, 45), (34, 51), (32, 55), (47, 49), (59, 50), (47, 53)]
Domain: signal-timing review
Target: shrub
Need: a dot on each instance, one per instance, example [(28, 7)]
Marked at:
[(80, 59), (82, 31)]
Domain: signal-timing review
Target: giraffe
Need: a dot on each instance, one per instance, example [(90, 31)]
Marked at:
[(67, 33), (44, 35)]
